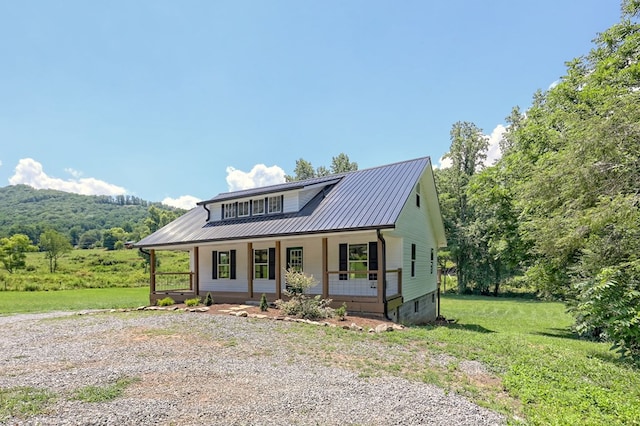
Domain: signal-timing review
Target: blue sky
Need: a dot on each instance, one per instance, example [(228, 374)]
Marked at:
[(166, 99)]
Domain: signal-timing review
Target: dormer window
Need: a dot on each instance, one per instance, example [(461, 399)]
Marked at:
[(243, 209), (275, 204), (229, 210), (258, 206)]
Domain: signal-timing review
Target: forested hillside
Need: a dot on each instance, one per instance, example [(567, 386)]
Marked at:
[(83, 218), (561, 210)]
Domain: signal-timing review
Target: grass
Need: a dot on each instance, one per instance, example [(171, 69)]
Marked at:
[(536, 371), (104, 393), (23, 402), (72, 300), (94, 268)]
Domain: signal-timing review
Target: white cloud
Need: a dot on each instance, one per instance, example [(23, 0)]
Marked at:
[(494, 153), (186, 202), (30, 172), (76, 174), (260, 175)]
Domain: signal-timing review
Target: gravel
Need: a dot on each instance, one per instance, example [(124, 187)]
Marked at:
[(194, 369)]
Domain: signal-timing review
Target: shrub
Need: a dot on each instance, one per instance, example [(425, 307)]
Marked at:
[(341, 312), (167, 301), (299, 304), (208, 301), (264, 305), (192, 302)]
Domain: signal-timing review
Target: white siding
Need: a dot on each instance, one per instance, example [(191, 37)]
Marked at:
[(415, 227), (307, 195), (207, 283), (290, 203)]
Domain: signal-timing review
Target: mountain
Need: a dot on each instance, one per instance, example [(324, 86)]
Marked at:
[(31, 211)]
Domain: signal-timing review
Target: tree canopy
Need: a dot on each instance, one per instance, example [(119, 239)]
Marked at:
[(304, 169)]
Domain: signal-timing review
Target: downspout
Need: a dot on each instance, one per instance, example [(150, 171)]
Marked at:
[(204, 206), (384, 274)]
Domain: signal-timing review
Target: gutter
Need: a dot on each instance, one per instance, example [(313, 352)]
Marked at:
[(204, 206), (384, 274)]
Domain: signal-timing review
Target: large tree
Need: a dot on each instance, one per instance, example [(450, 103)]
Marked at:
[(574, 166), (304, 169), (467, 153), (55, 245), (13, 251)]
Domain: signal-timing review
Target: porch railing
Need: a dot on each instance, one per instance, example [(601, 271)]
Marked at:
[(363, 283), (173, 281)]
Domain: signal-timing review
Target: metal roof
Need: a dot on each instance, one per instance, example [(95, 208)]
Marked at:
[(364, 199)]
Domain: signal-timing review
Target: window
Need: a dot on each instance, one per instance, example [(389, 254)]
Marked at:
[(432, 260), (358, 260), (223, 264), (294, 258), (416, 306), (243, 208), (413, 260), (275, 204), (418, 194), (261, 264), (258, 206), (229, 210)]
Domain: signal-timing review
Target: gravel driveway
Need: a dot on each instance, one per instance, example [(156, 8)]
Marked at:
[(193, 369)]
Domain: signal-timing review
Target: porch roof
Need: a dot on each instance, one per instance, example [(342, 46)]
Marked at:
[(364, 199)]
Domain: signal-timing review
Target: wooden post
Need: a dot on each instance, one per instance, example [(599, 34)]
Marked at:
[(250, 269), (195, 275), (325, 270), (278, 271), (152, 272), (381, 277)]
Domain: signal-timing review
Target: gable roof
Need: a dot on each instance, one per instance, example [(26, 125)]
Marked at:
[(360, 200)]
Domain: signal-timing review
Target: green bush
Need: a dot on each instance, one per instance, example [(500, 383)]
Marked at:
[(264, 305), (167, 301), (299, 304), (341, 312), (208, 301), (192, 302)]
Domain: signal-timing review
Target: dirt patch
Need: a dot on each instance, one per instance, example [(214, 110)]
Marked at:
[(366, 322)]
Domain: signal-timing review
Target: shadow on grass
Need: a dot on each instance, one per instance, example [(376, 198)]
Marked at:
[(562, 333), (470, 327)]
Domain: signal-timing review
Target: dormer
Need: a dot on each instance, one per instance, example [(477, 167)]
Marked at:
[(260, 203)]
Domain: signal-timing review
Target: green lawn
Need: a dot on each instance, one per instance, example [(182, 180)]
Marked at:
[(71, 300), (555, 378)]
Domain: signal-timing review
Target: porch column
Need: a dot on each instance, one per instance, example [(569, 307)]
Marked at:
[(196, 270), (325, 270), (278, 271), (381, 271), (152, 273), (250, 269)]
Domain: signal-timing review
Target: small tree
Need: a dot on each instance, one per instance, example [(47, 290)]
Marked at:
[(55, 245), (208, 301), (299, 304), (264, 305), (13, 251)]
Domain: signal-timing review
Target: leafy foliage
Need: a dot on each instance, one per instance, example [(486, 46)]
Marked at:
[(13, 252), (299, 303), (81, 218), (55, 245), (339, 164)]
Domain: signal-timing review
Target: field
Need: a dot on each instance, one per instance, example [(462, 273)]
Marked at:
[(95, 268), (513, 355)]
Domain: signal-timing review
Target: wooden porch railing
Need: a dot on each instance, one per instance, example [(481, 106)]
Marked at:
[(173, 281)]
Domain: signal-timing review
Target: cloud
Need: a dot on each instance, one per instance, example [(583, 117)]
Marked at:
[(260, 175), (186, 202), (30, 172), (493, 151)]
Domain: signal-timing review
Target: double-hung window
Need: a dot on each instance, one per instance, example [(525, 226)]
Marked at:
[(261, 264), (243, 208), (275, 204), (413, 260), (358, 260), (224, 264), (258, 206), (229, 210)]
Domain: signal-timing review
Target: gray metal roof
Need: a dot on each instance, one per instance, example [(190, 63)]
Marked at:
[(364, 199)]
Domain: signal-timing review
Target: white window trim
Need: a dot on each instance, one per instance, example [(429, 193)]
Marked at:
[(230, 210), (278, 203), (255, 201), (243, 203)]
